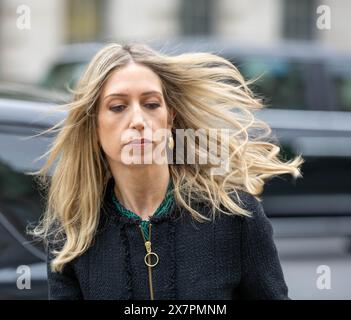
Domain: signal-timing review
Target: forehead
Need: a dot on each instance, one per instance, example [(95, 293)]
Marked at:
[(130, 79)]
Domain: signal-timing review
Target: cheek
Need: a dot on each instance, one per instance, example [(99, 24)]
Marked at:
[(160, 123), (109, 136), (162, 119)]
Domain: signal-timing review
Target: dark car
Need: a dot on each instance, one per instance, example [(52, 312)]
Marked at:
[(291, 75), (22, 114)]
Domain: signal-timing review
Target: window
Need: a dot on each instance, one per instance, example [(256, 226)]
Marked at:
[(20, 199), (63, 76), (299, 19), (197, 17), (84, 18), (340, 76), (281, 81)]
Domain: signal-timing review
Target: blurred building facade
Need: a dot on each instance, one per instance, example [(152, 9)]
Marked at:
[(25, 54)]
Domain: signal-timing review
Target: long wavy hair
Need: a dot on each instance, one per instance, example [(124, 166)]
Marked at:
[(206, 91)]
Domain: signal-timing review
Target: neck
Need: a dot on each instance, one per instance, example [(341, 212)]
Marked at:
[(141, 188)]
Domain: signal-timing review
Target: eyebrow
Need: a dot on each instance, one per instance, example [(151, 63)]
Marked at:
[(126, 95)]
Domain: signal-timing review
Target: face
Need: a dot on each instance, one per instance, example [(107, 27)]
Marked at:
[(131, 106)]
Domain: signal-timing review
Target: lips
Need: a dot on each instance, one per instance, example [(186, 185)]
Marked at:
[(139, 141)]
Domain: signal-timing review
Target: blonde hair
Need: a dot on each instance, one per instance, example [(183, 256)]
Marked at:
[(206, 91)]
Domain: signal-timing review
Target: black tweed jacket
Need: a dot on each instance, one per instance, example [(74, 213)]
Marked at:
[(232, 257)]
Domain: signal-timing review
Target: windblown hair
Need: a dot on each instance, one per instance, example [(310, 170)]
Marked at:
[(206, 91)]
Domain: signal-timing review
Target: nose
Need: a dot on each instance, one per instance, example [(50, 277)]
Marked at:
[(137, 120)]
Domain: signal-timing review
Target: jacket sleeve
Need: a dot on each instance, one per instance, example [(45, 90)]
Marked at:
[(261, 273), (62, 285)]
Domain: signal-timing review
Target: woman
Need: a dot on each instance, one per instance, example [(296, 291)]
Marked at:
[(121, 226)]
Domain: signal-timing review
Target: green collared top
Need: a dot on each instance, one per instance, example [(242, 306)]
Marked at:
[(162, 209)]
